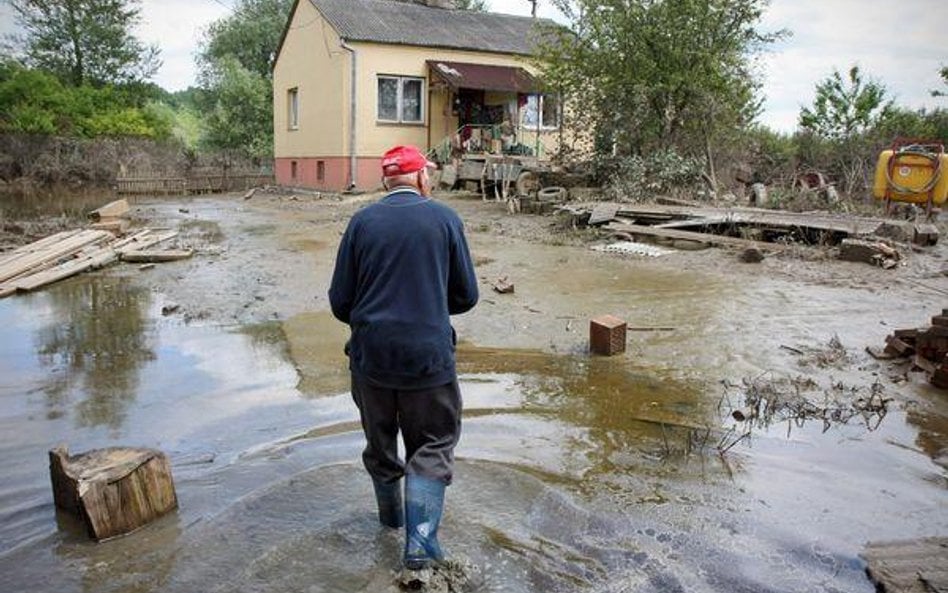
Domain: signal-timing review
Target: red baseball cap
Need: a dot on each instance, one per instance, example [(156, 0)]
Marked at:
[(402, 160)]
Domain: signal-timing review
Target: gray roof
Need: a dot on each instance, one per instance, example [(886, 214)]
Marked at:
[(404, 23)]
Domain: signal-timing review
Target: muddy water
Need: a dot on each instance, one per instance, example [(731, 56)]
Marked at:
[(574, 473)]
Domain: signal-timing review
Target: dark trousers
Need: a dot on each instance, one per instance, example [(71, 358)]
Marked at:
[(430, 423)]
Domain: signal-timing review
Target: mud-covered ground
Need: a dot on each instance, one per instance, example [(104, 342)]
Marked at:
[(575, 473)]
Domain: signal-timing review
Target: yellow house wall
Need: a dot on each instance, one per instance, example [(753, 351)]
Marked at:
[(374, 138), (312, 60)]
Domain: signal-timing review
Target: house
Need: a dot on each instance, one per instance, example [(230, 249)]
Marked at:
[(354, 77)]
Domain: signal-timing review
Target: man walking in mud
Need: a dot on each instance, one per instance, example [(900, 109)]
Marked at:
[(402, 269)]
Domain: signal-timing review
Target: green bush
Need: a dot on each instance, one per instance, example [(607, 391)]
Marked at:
[(36, 102)]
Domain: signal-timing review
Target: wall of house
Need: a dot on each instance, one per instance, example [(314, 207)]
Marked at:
[(312, 61)]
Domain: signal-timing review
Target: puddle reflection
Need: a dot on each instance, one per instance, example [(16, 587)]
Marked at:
[(95, 344)]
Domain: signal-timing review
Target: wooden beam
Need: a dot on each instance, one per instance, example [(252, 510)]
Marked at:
[(707, 238)]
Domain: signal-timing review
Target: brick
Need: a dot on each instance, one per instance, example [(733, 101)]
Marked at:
[(923, 363), (898, 346), (906, 333), (941, 320), (940, 378), (925, 234), (607, 335), (936, 330)]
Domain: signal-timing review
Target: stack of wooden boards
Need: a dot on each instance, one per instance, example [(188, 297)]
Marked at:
[(70, 252)]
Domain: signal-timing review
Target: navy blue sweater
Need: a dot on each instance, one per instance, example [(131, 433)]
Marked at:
[(402, 269)]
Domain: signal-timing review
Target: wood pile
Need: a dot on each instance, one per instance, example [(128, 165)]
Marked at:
[(68, 253), (928, 348), (114, 490)]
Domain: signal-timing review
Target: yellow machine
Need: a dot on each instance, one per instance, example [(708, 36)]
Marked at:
[(912, 171)]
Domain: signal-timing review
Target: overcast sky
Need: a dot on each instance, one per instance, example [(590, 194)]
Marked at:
[(901, 44)]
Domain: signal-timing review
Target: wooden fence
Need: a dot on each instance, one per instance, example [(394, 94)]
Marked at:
[(193, 184)]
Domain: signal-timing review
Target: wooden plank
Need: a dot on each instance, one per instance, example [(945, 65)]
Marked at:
[(710, 239), (155, 255), (604, 212), (111, 210), (849, 225), (901, 567), (52, 254), (138, 242), (38, 245), (95, 259)]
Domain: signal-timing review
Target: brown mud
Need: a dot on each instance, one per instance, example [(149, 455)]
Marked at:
[(575, 473)]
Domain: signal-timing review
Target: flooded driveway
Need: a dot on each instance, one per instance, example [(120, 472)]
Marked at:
[(575, 473)]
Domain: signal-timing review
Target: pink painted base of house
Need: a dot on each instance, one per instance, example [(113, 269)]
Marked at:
[(328, 173)]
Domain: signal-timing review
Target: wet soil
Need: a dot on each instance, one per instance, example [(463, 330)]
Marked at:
[(575, 473)]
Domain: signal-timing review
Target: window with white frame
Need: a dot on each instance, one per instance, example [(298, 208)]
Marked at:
[(544, 107), (293, 108), (401, 99)]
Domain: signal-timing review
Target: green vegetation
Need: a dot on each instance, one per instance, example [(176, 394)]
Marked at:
[(657, 76), (666, 94), (85, 41), (236, 61), (476, 5), (36, 102)]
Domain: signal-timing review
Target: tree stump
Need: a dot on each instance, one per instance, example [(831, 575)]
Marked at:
[(114, 490)]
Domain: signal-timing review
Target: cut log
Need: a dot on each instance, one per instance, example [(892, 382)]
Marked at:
[(114, 490), (155, 255), (112, 209)]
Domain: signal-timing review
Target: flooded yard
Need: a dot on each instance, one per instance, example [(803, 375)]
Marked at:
[(575, 473)]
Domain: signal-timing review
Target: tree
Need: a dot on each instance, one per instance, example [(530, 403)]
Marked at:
[(644, 76), (845, 121), (250, 34), (843, 109), (236, 62), (475, 5), (944, 79), (85, 41), (239, 116), (36, 102)]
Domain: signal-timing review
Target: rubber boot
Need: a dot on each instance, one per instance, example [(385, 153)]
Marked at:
[(424, 501), (389, 498)]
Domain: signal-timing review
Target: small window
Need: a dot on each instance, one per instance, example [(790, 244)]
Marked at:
[(320, 170), (293, 108), (293, 170), (548, 107), (401, 99)]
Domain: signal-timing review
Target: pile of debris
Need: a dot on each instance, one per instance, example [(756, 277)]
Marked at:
[(928, 348), (68, 253), (690, 224)]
